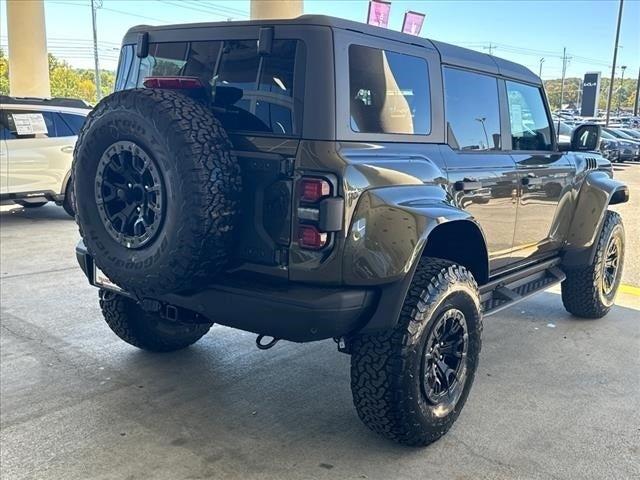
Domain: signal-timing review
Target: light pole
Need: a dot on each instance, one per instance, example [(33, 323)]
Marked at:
[(635, 105), (623, 67), (95, 4), (541, 62), (613, 67)]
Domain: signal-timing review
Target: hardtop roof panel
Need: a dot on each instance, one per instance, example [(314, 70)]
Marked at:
[(450, 54)]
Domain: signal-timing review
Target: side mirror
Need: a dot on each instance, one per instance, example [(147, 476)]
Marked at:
[(586, 137)]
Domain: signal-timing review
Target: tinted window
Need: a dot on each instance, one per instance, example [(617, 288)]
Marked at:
[(123, 77), (256, 92), (74, 122), (164, 59), (239, 65), (11, 131), (62, 129), (472, 110), (389, 92), (530, 129), (565, 129)]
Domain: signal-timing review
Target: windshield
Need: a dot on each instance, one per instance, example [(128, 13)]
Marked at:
[(625, 135)]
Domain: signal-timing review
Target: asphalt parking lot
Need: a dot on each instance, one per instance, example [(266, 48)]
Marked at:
[(555, 397)]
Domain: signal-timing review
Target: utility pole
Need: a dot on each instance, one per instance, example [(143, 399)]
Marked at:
[(490, 48), (541, 62), (95, 4), (613, 67), (564, 71), (623, 68), (635, 105)]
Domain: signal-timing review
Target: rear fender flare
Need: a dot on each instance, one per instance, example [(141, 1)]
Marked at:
[(390, 229)]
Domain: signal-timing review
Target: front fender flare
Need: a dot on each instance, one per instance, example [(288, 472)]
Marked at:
[(598, 191)]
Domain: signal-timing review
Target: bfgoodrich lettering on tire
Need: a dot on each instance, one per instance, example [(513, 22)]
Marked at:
[(156, 190), (410, 383)]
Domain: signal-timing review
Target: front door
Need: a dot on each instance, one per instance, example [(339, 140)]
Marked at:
[(545, 175), (484, 176)]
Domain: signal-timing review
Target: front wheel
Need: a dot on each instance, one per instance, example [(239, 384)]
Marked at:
[(146, 330), (590, 290), (410, 383)]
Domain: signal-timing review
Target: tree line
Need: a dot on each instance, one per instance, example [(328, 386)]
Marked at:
[(624, 94), (67, 81)]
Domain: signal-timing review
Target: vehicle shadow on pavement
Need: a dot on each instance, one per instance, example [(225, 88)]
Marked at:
[(256, 412), (10, 214)]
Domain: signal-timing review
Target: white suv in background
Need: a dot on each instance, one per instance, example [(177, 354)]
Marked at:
[(37, 137)]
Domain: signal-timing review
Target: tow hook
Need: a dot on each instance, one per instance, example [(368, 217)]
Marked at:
[(266, 346)]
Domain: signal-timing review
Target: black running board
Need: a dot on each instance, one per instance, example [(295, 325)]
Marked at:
[(512, 288)]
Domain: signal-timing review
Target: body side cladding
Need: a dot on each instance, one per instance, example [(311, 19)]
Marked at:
[(598, 191)]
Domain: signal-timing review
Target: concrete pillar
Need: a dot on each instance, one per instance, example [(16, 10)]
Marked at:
[(28, 63), (272, 9)]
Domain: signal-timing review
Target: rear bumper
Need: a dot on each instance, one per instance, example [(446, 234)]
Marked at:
[(295, 312)]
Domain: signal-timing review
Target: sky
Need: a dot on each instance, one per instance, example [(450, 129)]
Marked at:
[(524, 31)]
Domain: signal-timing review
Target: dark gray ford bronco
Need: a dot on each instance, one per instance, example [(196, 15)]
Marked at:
[(317, 178)]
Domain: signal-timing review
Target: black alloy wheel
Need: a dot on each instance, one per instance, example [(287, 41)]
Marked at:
[(130, 194), (611, 265), (444, 361)]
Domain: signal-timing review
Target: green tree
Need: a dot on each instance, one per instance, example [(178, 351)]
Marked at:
[(65, 80)]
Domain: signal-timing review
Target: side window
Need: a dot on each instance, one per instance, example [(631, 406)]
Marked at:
[(74, 122), (29, 124), (389, 92), (472, 110), (124, 78), (62, 129), (530, 129)]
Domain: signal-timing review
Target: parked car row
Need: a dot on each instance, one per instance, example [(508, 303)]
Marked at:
[(617, 144), (37, 137)]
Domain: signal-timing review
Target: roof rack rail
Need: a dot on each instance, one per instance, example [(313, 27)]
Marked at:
[(54, 102)]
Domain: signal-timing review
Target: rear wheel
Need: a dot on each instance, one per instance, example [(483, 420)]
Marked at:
[(146, 330), (410, 383), (589, 291)]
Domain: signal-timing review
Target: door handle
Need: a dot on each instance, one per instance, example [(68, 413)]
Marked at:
[(466, 186), (528, 181), (67, 149)]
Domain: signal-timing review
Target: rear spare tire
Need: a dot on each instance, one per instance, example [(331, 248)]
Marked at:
[(156, 190)]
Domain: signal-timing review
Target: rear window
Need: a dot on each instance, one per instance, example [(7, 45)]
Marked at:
[(258, 92), (389, 92)]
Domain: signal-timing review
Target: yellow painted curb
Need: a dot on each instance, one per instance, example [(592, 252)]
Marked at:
[(631, 290)]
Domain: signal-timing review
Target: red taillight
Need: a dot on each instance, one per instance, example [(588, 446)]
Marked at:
[(313, 189), (310, 237), (174, 83)]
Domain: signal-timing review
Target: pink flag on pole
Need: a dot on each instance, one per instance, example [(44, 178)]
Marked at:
[(412, 23), (379, 13)]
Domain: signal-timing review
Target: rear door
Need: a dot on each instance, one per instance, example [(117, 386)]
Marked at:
[(545, 174), (483, 174)]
